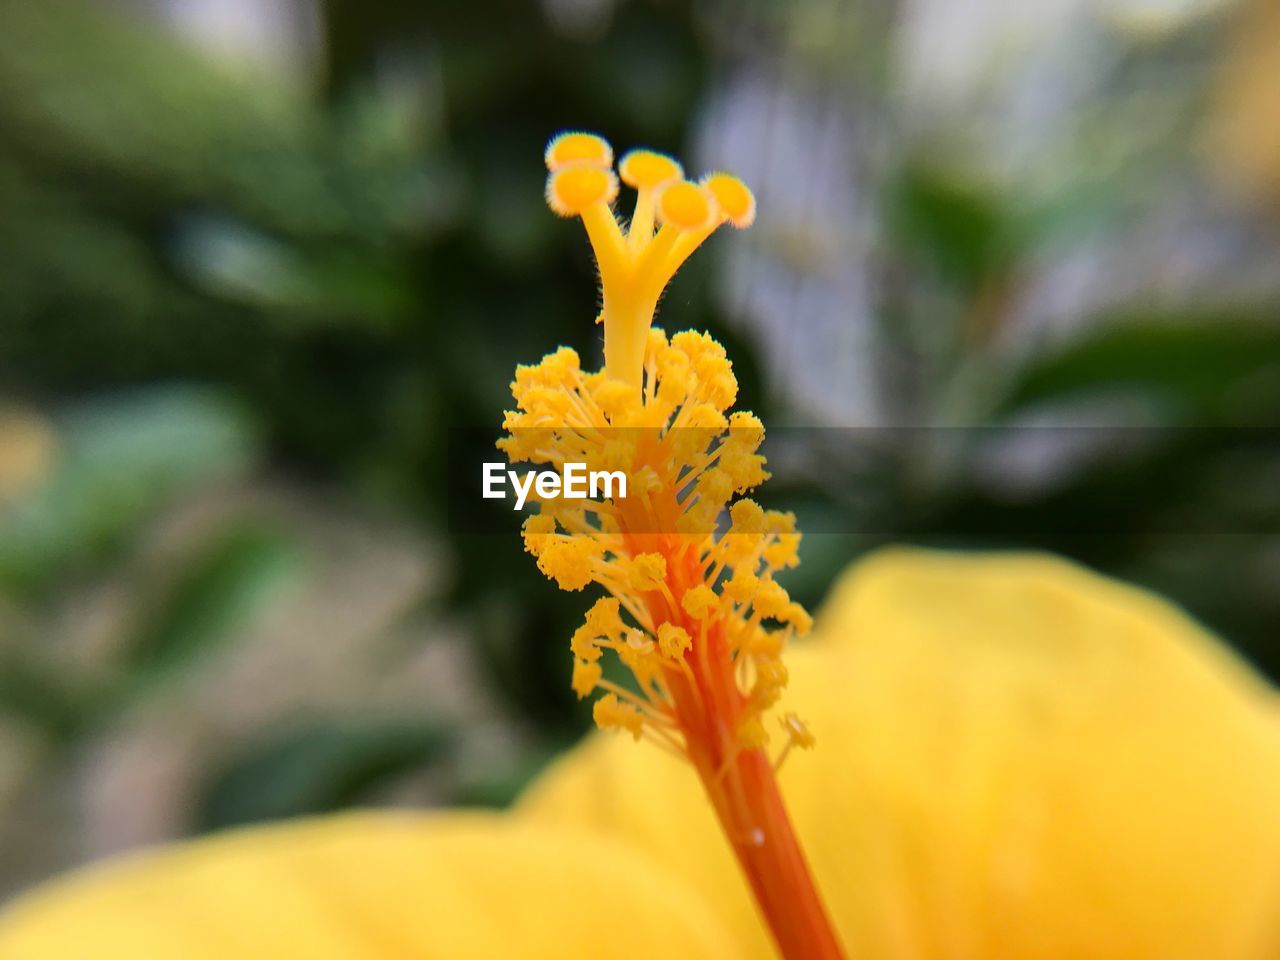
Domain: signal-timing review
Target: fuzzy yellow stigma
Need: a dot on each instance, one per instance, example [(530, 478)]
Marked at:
[(671, 217)]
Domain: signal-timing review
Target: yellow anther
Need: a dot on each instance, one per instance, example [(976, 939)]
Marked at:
[(647, 572), (538, 530), (673, 641), (704, 416), (785, 553), (770, 599), (696, 346), (766, 643), (605, 617), (742, 586), (603, 622), (751, 732), (747, 517), (745, 430), (573, 189), (569, 561), (574, 147), (673, 376), (771, 674), (764, 696), (610, 712), (780, 521), (716, 485), (747, 469), (585, 644), (616, 399), (638, 640), (586, 677), (699, 519), (685, 205), (699, 602), (798, 732), (639, 654), (735, 199), (645, 169), (798, 617)]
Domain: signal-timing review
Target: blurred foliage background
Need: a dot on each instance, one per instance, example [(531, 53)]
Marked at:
[(1016, 276)]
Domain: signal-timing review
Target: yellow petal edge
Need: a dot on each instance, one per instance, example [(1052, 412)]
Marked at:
[(459, 886)]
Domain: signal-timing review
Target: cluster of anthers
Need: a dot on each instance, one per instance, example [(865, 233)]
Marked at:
[(694, 610)]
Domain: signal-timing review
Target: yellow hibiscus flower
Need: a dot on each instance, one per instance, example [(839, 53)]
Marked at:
[(1018, 759)]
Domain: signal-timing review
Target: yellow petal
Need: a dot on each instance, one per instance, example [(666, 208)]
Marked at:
[(360, 886), (1016, 759)]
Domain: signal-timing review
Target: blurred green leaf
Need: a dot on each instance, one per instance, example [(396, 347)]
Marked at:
[(235, 262), (960, 231), (254, 141), (122, 458), (1209, 366), (212, 601), (36, 692), (317, 768)]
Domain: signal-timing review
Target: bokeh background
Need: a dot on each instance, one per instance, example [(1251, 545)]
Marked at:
[(258, 259)]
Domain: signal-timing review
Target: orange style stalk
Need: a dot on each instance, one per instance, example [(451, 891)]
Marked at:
[(693, 611)]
